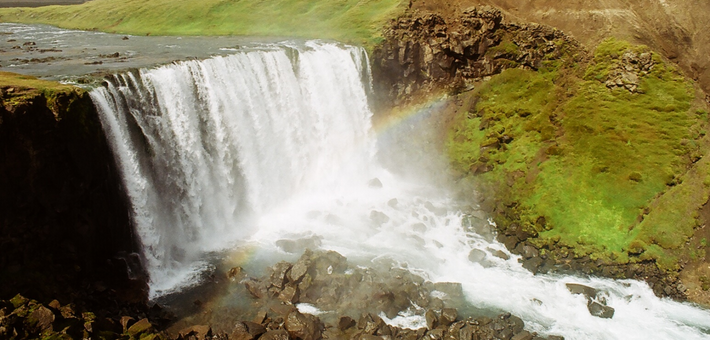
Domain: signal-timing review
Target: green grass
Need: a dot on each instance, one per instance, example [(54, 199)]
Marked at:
[(591, 161), (353, 21), (19, 88)]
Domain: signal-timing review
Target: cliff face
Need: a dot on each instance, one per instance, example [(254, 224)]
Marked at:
[(676, 29), (425, 51), (63, 221)]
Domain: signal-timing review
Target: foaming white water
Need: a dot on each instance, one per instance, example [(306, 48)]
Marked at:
[(204, 146), (275, 145)]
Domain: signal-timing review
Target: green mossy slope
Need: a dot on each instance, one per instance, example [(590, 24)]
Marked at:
[(583, 164), (355, 21)]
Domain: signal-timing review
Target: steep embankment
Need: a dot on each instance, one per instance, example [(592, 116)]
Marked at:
[(675, 29), (64, 220), (594, 160), (350, 21)]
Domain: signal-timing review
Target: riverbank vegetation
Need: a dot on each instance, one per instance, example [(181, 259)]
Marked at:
[(351, 21), (603, 156)]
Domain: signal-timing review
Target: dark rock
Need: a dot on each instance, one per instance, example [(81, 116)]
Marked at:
[(378, 217), (283, 310), (374, 183), (279, 334), (530, 252), (252, 328), (235, 273), (419, 227), (126, 322), (300, 268), (290, 293), (304, 326), (448, 316), (44, 318), (370, 337), (532, 264), (476, 255), (199, 332), (524, 335), (599, 310), (576, 288), (431, 320), (140, 327), (346, 322), (255, 287), (279, 274)]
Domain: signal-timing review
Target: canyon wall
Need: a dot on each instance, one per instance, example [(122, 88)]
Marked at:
[(64, 229)]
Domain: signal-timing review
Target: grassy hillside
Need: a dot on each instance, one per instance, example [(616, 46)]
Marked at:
[(602, 170), (355, 21)]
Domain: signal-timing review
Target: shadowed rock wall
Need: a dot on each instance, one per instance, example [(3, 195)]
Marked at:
[(64, 228), (424, 51)]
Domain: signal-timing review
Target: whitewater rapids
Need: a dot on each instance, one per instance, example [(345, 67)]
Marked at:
[(277, 144)]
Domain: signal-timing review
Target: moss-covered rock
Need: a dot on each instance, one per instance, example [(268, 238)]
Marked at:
[(581, 161)]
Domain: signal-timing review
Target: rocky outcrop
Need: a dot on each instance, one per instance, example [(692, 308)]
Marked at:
[(64, 230), (23, 318), (423, 52), (629, 70), (358, 301)]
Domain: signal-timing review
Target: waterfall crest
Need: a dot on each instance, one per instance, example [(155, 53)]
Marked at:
[(204, 146)]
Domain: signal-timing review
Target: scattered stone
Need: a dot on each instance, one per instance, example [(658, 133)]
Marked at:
[(255, 287), (524, 335), (142, 326), (303, 326), (378, 217), (448, 316), (279, 334), (201, 332), (126, 322), (576, 288), (393, 203), (431, 320), (476, 255), (290, 293), (44, 317), (599, 310), (375, 183), (235, 274), (345, 322)]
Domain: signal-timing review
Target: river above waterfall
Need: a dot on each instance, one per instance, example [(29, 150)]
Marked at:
[(59, 54), (250, 153)]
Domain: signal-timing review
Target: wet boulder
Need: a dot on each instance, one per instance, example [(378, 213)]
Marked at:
[(600, 310), (476, 255), (576, 288), (596, 305), (379, 218), (303, 326), (278, 334)]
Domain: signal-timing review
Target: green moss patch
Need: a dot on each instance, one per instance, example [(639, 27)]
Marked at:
[(587, 165)]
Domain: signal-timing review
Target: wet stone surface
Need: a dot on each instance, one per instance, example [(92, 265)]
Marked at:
[(353, 302)]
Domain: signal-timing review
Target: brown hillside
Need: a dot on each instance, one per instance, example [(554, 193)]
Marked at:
[(677, 29)]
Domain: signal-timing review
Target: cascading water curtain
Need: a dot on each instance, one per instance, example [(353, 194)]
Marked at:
[(205, 146)]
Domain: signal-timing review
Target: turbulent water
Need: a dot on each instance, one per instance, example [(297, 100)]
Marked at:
[(273, 150)]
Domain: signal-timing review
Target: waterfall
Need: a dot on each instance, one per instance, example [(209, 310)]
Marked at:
[(275, 144), (206, 146)]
